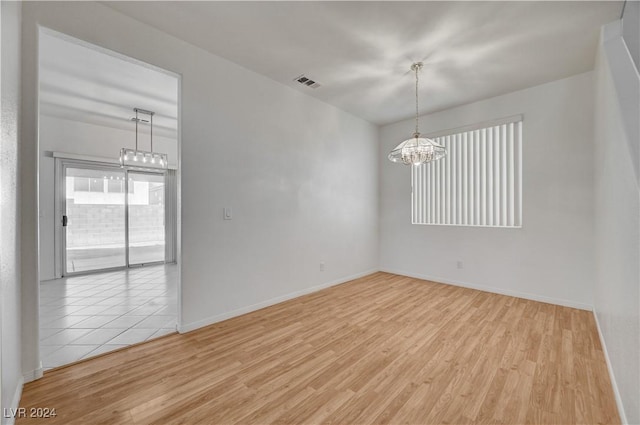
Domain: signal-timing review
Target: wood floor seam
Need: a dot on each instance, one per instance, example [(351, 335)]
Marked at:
[(381, 349)]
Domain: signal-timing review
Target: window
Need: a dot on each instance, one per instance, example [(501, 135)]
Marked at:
[(115, 186), (478, 183), (80, 184), (85, 184), (96, 185)]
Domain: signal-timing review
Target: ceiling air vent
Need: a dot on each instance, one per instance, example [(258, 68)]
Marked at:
[(306, 81)]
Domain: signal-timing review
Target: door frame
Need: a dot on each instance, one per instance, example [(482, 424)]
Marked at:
[(31, 284), (60, 188)]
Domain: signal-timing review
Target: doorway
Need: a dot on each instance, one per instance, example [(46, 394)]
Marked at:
[(113, 217), (108, 233)]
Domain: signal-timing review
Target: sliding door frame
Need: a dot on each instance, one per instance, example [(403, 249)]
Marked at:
[(126, 215), (61, 198), (60, 238)]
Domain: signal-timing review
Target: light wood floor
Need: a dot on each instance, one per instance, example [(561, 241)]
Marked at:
[(380, 349)]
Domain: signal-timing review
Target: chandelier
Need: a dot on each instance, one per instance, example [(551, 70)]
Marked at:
[(143, 159), (417, 150)]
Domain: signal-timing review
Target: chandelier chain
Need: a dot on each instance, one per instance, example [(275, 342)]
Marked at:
[(417, 70), (136, 109)]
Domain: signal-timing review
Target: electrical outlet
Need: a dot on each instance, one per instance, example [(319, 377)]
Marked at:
[(460, 265), (322, 266)]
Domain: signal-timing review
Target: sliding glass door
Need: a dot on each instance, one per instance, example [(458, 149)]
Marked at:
[(94, 219), (111, 217), (146, 216)]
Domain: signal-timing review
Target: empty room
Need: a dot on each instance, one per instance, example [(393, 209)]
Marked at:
[(320, 212)]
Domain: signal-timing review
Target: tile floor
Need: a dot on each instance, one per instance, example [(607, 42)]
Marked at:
[(83, 316)]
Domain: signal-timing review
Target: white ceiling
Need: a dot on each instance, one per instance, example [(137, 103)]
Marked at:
[(84, 84), (360, 52)]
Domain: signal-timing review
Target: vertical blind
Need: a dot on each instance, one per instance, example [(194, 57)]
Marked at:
[(478, 182)]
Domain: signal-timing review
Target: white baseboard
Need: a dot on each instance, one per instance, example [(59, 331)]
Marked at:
[(616, 393), (511, 293), (34, 374), (15, 403), (248, 309)]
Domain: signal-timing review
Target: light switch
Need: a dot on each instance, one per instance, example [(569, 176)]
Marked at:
[(228, 213)]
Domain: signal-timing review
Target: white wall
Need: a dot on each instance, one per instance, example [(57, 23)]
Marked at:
[(551, 257), (62, 135), (10, 352), (631, 30), (296, 171), (617, 217)]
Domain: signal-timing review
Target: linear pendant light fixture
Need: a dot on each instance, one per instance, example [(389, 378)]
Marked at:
[(417, 150), (143, 159)]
